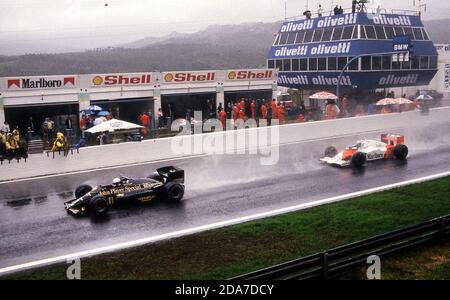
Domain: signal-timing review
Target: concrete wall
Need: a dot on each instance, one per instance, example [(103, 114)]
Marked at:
[(167, 148)]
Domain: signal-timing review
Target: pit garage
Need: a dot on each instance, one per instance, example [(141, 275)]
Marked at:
[(176, 106), (127, 109), (237, 95), (20, 115)]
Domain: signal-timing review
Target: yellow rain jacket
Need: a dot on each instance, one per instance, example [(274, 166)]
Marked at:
[(59, 142)]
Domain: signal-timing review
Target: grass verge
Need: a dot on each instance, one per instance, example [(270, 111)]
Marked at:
[(430, 263), (238, 249)]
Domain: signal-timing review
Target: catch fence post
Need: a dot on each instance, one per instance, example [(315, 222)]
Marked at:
[(325, 266), (442, 229)]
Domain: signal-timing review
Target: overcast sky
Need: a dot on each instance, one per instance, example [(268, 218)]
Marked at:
[(90, 23)]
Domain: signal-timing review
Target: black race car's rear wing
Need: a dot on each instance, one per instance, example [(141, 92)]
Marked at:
[(171, 174)]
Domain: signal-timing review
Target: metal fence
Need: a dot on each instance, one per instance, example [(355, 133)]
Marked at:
[(334, 262)]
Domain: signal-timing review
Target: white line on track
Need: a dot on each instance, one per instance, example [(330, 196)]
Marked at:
[(175, 159), (189, 231)]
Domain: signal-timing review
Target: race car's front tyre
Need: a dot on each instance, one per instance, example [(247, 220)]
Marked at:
[(401, 152), (331, 152), (175, 191), (82, 190), (98, 205), (358, 159)]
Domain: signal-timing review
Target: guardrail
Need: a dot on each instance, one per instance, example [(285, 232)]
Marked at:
[(366, 10), (333, 262)]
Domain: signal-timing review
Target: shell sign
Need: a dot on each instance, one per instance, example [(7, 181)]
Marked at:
[(98, 80), (232, 75), (191, 77), (122, 79), (250, 75), (168, 77)]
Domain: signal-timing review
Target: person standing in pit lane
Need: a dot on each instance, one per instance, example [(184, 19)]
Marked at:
[(263, 111), (223, 118), (235, 112), (6, 128), (229, 110), (2, 142), (16, 137), (253, 110), (274, 108), (10, 145), (241, 119), (281, 114), (145, 121)]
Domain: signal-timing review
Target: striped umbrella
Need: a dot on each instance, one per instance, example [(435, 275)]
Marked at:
[(386, 101), (323, 96)]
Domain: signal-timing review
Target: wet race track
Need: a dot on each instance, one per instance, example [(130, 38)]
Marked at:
[(34, 224)]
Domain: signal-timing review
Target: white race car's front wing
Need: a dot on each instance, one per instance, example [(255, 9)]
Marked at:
[(336, 161)]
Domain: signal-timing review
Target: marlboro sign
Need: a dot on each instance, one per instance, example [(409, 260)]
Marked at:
[(50, 82)]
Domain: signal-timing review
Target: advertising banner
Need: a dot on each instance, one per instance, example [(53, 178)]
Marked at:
[(189, 77), (362, 80), (128, 79), (351, 19), (447, 77), (250, 75), (39, 82)]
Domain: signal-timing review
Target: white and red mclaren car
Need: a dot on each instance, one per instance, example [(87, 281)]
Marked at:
[(390, 146)]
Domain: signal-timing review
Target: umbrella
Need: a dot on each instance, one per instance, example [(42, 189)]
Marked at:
[(386, 101), (403, 101), (99, 120), (87, 112), (94, 108), (113, 125), (324, 96), (424, 97), (103, 113)]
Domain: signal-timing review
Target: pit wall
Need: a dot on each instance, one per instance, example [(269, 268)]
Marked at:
[(91, 158)]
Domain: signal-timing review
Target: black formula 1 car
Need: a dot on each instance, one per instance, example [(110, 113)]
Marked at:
[(166, 183)]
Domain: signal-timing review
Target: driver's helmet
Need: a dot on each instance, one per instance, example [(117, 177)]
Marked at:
[(116, 181)]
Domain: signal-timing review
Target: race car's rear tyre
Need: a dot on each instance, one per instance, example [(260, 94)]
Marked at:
[(82, 190), (401, 151), (175, 191), (98, 205), (358, 159), (331, 152)]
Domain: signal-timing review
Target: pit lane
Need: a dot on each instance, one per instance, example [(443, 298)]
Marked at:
[(34, 225)]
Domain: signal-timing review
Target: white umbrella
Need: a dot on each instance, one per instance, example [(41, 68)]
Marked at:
[(94, 108), (403, 101), (386, 101), (113, 125), (424, 97), (324, 96)]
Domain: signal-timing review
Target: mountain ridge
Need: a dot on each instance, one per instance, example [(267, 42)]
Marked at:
[(217, 47)]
